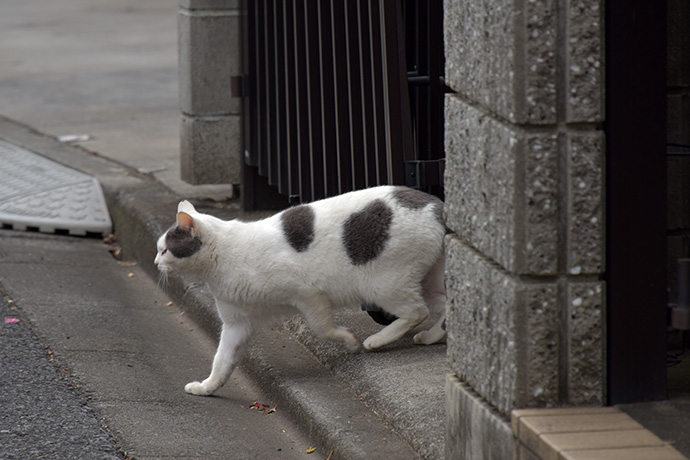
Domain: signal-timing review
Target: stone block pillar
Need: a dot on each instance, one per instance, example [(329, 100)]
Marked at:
[(210, 53), (524, 197)]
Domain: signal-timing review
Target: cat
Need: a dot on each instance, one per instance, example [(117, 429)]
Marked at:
[(381, 247)]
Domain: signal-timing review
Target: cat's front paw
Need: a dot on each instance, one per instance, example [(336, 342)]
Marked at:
[(197, 388)]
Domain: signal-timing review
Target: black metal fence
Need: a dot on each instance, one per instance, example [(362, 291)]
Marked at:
[(341, 95)]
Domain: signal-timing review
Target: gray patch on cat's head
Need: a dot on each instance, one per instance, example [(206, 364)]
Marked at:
[(416, 199), (365, 233), (181, 243), (298, 226)]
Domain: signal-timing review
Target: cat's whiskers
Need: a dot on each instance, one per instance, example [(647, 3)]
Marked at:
[(162, 279)]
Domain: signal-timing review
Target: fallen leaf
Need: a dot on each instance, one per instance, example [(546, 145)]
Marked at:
[(169, 304), (11, 320), (130, 275), (311, 450)]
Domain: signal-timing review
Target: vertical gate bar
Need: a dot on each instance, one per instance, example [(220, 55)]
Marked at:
[(399, 136), (264, 111), (363, 127), (355, 93), (412, 53), (303, 120), (315, 115), (248, 112), (423, 116), (436, 72), (249, 106), (272, 102), (344, 76), (328, 108), (379, 165), (281, 172), (292, 102)]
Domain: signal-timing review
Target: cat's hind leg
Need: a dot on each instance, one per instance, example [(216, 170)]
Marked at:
[(410, 312), (434, 293), (318, 312), (233, 343)]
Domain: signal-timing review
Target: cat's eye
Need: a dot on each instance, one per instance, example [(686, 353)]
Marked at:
[(164, 251)]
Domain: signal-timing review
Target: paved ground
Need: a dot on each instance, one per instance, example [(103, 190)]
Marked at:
[(117, 353), (44, 415)]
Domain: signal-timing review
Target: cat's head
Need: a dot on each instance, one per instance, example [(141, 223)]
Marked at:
[(179, 248)]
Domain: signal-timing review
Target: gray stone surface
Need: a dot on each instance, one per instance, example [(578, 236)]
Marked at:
[(487, 436), (480, 177), (502, 189), (482, 335), (473, 31), (536, 39), (585, 240), (210, 53), (586, 343), (519, 86), (538, 225), (210, 149), (503, 332), (539, 345), (584, 70)]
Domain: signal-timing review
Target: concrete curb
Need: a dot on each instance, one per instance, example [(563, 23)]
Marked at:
[(318, 401)]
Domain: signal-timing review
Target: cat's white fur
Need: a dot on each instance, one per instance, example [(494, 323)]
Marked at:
[(257, 278)]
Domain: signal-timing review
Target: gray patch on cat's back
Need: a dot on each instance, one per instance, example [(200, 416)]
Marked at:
[(298, 227), (415, 199), (365, 233), (181, 243)]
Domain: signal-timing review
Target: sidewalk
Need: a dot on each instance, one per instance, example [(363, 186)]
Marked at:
[(107, 69)]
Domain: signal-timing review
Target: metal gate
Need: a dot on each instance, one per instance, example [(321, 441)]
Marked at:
[(340, 95)]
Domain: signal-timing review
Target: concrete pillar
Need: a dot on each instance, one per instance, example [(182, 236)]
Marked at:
[(524, 198), (210, 47)]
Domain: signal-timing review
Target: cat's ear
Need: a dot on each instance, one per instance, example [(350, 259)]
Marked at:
[(185, 206), (186, 223)]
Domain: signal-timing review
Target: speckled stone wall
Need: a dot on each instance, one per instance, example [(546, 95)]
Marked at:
[(525, 201)]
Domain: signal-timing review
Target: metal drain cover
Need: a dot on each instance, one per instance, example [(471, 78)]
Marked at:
[(36, 192)]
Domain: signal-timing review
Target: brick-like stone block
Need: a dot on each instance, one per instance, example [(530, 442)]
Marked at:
[(536, 42), (584, 70), (211, 150), (538, 204), (474, 429), (586, 343), (502, 55), (502, 189), (209, 55), (585, 240), (480, 181), (502, 332)]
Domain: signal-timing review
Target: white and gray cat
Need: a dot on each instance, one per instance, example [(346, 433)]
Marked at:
[(381, 246)]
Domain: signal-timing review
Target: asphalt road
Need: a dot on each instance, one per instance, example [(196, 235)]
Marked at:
[(119, 358), (44, 415)]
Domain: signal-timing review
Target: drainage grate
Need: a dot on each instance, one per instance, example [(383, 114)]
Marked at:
[(38, 193)]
